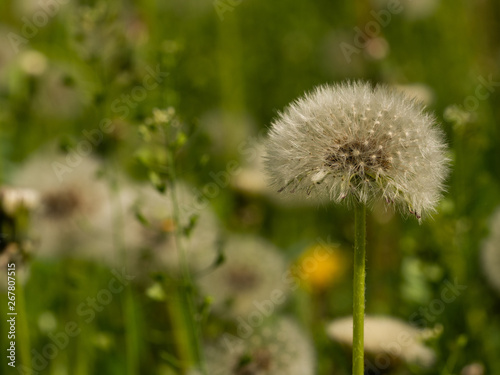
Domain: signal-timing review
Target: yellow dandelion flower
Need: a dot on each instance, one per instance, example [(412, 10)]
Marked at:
[(320, 266)]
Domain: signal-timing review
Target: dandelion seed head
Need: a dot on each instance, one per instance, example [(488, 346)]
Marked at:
[(153, 245), (61, 203), (475, 368), (357, 142), (68, 205), (252, 270), (383, 334), (284, 350)]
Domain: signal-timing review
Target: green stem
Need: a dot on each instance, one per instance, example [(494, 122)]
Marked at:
[(359, 290), (129, 304), (131, 341), (22, 328), (187, 295), (179, 317)]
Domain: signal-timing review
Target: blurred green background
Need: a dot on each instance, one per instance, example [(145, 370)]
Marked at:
[(228, 68)]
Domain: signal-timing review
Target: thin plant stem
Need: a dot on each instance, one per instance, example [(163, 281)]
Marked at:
[(184, 310), (359, 289), (128, 300), (180, 325), (22, 328), (187, 288), (187, 303), (132, 341)]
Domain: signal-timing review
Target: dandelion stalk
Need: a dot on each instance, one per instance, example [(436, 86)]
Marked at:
[(359, 289)]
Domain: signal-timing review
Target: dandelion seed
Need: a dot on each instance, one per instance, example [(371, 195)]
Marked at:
[(397, 154)]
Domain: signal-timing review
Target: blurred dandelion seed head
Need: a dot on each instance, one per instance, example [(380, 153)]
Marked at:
[(253, 269), (68, 209), (152, 244), (356, 143), (279, 348), (386, 335), (475, 368), (61, 203)]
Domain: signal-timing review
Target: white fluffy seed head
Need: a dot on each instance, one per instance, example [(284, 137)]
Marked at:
[(351, 142), (386, 335), (152, 244), (68, 209), (271, 349), (252, 270)]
